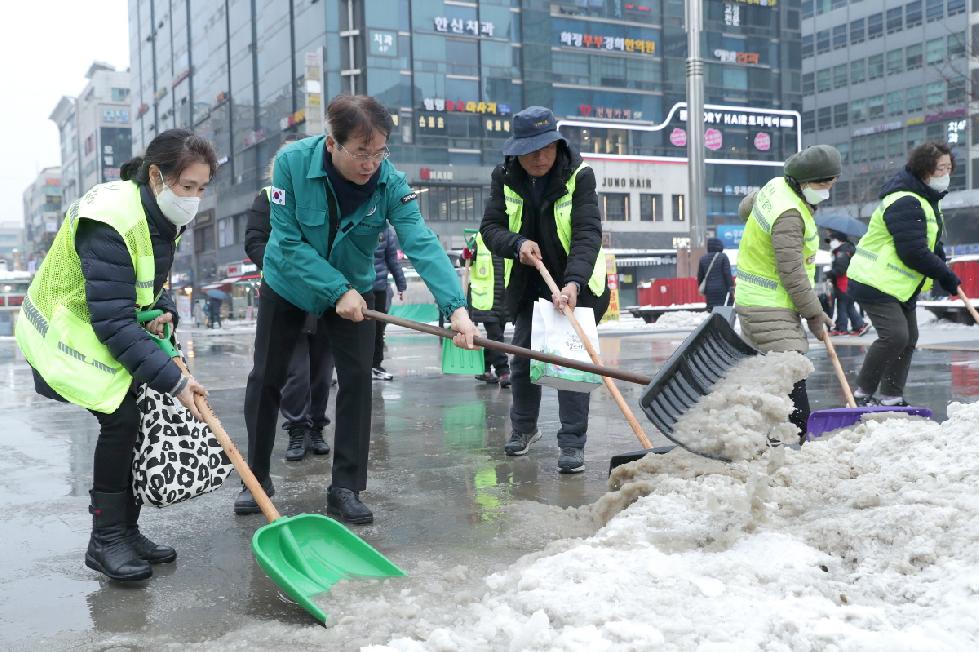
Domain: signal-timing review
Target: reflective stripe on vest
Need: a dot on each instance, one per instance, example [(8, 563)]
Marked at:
[(758, 280), (876, 262), (562, 219), (56, 335), (482, 281)]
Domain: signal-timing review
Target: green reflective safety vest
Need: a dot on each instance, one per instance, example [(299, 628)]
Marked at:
[(481, 276), (876, 262), (758, 280), (55, 329), (562, 217)]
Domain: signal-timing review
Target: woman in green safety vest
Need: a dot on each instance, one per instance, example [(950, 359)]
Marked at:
[(898, 258), (543, 206), (79, 332), (777, 261)]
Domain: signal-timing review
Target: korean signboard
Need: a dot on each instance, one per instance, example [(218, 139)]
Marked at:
[(471, 106), (616, 43), (460, 26), (384, 43)]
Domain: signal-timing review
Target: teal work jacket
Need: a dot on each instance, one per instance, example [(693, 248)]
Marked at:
[(296, 264)]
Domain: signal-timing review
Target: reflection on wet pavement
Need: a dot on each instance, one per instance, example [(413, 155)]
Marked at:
[(449, 506)]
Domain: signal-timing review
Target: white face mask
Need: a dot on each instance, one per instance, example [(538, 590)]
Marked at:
[(814, 196), (834, 244), (179, 210), (939, 184)]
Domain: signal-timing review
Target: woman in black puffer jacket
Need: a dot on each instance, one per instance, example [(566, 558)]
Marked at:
[(718, 283)]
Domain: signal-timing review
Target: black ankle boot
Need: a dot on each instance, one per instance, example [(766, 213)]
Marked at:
[(317, 444), (345, 504), (146, 549), (109, 550), (296, 450)]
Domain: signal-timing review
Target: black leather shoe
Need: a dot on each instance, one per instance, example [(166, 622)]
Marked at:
[(296, 450), (317, 443), (151, 552), (109, 550), (245, 502), (345, 505)]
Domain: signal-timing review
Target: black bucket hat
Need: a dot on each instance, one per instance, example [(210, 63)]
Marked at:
[(533, 128)]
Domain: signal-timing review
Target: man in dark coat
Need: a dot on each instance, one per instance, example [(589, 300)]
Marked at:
[(487, 306), (714, 273), (846, 309), (385, 264), (541, 191)]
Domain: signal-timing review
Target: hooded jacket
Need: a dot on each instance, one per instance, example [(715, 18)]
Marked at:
[(538, 224), (719, 281), (386, 261), (905, 220)]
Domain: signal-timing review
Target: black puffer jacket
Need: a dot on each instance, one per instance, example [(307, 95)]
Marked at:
[(842, 256), (719, 281), (906, 223), (110, 291), (497, 312), (538, 225), (386, 262), (259, 229)]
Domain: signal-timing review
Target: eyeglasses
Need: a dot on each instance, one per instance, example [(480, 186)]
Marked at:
[(376, 158)]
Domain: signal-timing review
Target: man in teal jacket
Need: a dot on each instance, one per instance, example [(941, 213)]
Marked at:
[(331, 197)]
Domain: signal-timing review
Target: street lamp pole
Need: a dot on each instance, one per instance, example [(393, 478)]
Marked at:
[(696, 208)]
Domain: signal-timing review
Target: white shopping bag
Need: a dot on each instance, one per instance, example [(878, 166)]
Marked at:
[(552, 332)]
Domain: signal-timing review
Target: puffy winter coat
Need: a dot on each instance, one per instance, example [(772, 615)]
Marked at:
[(386, 262), (841, 262), (780, 329), (110, 292), (719, 281), (259, 229), (539, 225)]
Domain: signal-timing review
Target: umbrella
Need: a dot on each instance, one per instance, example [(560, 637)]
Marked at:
[(842, 223), (217, 294)]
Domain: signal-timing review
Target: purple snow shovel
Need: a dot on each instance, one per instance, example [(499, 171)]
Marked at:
[(823, 421)]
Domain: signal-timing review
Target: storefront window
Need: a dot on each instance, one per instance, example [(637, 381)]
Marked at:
[(651, 208), (616, 206)]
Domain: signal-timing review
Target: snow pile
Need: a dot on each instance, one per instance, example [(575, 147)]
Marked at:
[(681, 320), (865, 540), (746, 409)]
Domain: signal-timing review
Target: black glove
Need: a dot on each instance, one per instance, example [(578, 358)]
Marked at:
[(950, 282)]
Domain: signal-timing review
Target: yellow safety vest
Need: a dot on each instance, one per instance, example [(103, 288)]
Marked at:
[(562, 218), (481, 276), (876, 262), (758, 280), (55, 330)]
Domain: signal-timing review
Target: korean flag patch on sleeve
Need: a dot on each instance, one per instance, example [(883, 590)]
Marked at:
[(277, 196)]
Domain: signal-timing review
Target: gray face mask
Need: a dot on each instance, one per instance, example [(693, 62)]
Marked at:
[(178, 210)]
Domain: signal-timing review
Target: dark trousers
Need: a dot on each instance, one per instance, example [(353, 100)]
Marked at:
[(307, 388), (889, 357), (279, 326), (847, 312), (525, 408), (114, 448), (799, 416), (716, 299), (495, 359), (380, 305)]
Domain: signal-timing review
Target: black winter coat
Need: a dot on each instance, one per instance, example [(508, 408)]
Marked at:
[(538, 224), (906, 223), (386, 261), (259, 229), (719, 282), (842, 256), (110, 291), (497, 313)]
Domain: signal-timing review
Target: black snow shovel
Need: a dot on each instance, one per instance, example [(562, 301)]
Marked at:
[(704, 357)]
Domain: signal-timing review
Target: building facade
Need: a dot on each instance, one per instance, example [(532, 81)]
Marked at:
[(880, 77), (43, 210), (452, 73)]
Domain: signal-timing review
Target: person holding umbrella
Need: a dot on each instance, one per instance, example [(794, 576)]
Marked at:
[(900, 257)]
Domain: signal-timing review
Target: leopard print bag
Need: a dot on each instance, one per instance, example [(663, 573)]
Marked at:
[(177, 457)]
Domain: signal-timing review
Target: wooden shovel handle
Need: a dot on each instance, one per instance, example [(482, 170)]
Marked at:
[(597, 359), (968, 304), (254, 486), (840, 376)]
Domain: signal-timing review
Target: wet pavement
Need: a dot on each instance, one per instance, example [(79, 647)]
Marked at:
[(449, 506)]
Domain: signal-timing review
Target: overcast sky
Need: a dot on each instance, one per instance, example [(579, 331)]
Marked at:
[(45, 49)]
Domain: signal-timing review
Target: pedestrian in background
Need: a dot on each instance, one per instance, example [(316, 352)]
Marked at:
[(487, 306), (777, 262), (847, 313), (714, 274), (543, 206), (331, 197), (385, 264), (306, 391), (900, 257), (80, 334)]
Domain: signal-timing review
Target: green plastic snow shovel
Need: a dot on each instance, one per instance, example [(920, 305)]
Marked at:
[(306, 554)]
